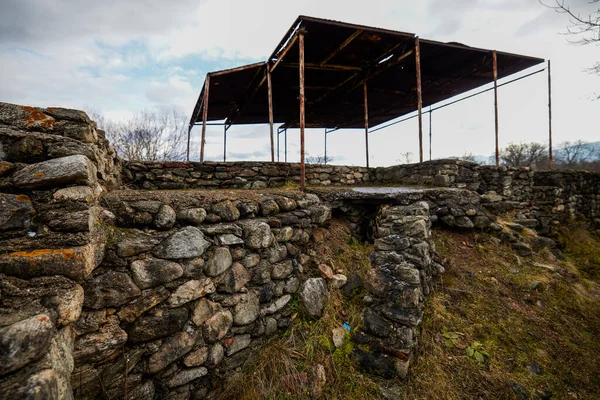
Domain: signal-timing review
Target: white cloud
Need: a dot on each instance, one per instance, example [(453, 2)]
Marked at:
[(129, 55)]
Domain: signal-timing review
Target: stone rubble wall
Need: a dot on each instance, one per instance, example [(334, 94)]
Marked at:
[(189, 286), (548, 197), (239, 175), (542, 198), (135, 294), (54, 165)]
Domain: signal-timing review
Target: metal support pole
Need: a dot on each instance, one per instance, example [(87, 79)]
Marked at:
[(204, 116), (285, 145), (495, 66), (419, 96), (270, 98), (301, 33), (224, 142), (278, 133), (430, 113), (549, 117), (366, 122), (325, 158), (187, 152)]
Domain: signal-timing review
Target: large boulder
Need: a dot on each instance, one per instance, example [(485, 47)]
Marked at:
[(76, 169)]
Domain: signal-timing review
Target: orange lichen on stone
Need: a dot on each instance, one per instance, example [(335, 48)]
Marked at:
[(43, 318), (39, 174), (67, 254), (23, 198), (37, 118)]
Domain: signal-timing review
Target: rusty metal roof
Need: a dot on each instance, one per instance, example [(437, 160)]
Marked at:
[(339, 57)]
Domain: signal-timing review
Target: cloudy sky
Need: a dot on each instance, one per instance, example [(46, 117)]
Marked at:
[(120, 57)]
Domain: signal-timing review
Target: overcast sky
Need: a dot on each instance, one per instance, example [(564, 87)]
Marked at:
[(124, 56)]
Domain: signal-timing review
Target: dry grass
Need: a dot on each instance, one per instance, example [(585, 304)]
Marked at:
[(283, 369), (487, 296)]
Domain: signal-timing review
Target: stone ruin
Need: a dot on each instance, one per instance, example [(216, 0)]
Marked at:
[(112, 288)]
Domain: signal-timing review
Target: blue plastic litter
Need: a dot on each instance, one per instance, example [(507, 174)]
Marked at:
[(347, 327)]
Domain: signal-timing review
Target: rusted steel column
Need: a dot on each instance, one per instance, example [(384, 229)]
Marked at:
[(204, 116), (187, 152), (549, 117), (270, 96), (366, 122), (301, 33), (495, 66), (224, 142), (325, 160), (419, 96), (285, 145), (430, 118)]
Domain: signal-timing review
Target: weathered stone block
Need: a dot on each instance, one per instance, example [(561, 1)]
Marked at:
[(101, 345), (152, 272), (24, 342), (175, 347), (191, 290), (76, 169), (75, 263), (312, 296), (156, 324), (188, 242), (16, 211), (110, 289)]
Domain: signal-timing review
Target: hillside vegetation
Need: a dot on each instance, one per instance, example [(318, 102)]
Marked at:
[(497, 326)]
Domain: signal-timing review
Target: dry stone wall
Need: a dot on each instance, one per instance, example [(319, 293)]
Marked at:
[(158, 293), (189, 286), (54, 166), (240, 175)]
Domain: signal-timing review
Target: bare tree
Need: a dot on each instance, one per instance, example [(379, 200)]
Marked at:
[(574, 154), (149, 135), (524, 155), (320, 159), (406, 157), (585, 27)]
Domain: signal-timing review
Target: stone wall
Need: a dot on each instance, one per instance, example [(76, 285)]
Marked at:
[(54, 165), (156, 293), (188, 287), (240, 175)]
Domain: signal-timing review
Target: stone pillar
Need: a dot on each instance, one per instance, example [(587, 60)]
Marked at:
[(397, 284)]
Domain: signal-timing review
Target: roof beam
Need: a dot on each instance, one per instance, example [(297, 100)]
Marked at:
[(284, 52), (240, 106), (237, 69), (341, 46), (328, 67)]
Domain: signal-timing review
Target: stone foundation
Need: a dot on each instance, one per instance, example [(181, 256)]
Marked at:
[(156, 293)]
